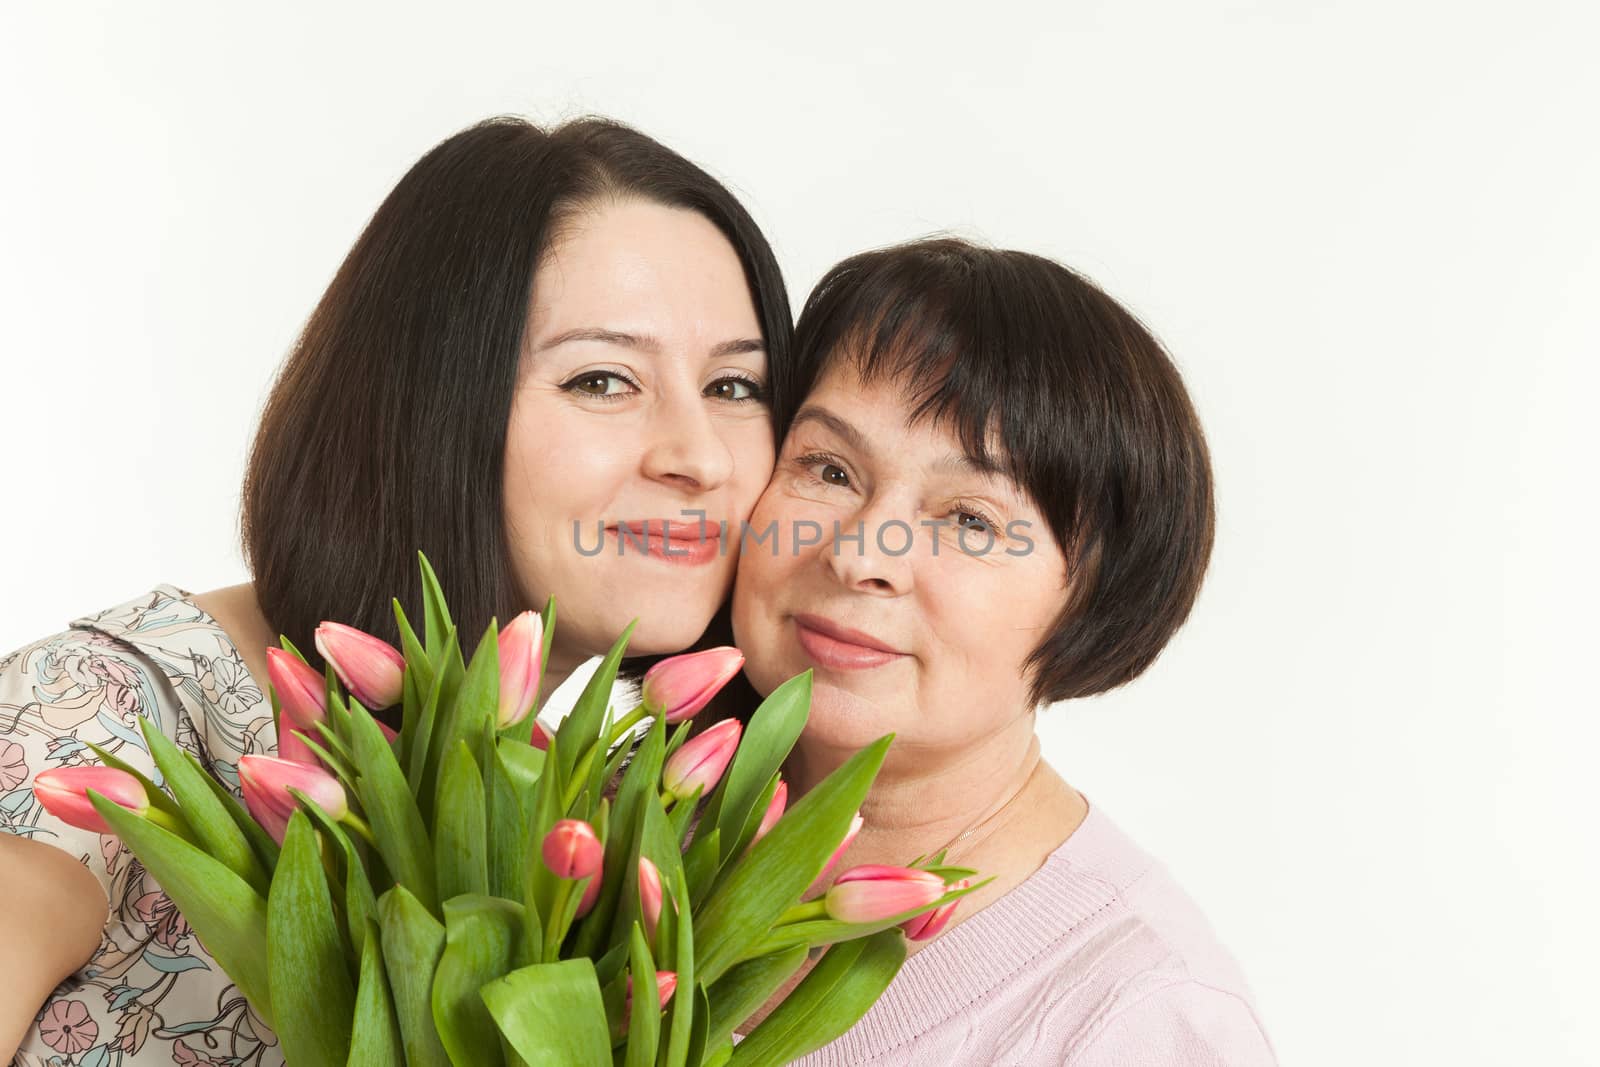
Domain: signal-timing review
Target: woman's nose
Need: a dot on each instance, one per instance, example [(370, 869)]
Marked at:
[(684, 448), (872, 552)]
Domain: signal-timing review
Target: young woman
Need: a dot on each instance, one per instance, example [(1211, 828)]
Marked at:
[(995, 495), (546, 353)]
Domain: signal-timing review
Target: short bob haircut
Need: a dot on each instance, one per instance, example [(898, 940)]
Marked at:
[(1089, 414), (386, 430)]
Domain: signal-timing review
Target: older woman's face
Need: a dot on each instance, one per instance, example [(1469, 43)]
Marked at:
[(641, 400), (921, 624)]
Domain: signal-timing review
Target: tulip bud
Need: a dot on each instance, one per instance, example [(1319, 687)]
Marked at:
[(699, 764), (856, 822), (931, 924), (370, 668), (292, 746), (389, 733), (649, 896), (591, 892), (780, 800), (679, 686), (521, 649), (302, 693), (874, 892), (571, 849), (64, 793), (266, 781)]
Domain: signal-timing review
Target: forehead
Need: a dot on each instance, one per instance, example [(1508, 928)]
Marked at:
[(640, 258)]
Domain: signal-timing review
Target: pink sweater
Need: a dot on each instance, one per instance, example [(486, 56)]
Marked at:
[(1097, 959)]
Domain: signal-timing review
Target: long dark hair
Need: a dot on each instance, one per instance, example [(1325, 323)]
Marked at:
[(386, 430)]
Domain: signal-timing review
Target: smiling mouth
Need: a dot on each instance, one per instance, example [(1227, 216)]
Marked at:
[(690, 543), (839, 648)]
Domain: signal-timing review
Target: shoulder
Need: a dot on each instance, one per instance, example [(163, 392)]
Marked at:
[(1155, 984), (1185, 1023)]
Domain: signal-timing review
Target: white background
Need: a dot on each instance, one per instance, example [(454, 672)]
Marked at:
[(1368, 231)]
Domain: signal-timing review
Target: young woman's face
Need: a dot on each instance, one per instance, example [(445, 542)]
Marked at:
[(642, 397), (957, 611)]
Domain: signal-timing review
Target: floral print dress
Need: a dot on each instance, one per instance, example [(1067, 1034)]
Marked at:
[(151, 993)]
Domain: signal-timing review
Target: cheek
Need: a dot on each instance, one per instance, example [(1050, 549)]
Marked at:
[(546, 475)]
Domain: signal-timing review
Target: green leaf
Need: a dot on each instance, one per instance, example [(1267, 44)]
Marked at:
[(539, 890), (413, 942), (375, 1036), (460, 828), (644, 1024), (436, 614), (225, 912), (764, 745), (582, 725), (782, 865), (740, 992), (826, 1003), (359, 902), (418, 680), (618, 904), (469, 717), (422, 740), (552, 1014), (508, 821), (482, 934), (682, 1008), (392, 811), (311, 988)]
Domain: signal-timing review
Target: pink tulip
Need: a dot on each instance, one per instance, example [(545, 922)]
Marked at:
[(389, 733), (64, 793), (678, 687), (699, 764), (370, 668), (931, 924), (292, 745), (856, 822), (874, 892), (302, 692), (780, 800), (591, 892), (649, 896), (521, 648), (266, 781), (571, 849)]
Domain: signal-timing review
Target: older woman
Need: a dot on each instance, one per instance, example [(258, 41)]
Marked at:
[(995, 496)]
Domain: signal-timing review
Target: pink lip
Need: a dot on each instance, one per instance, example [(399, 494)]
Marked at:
[(840, 647), (683, 543)]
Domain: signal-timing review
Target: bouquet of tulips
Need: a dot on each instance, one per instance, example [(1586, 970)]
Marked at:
[(475, 890)]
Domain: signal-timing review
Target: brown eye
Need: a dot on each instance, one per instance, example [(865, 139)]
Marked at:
[(595, 384), (736, 389)]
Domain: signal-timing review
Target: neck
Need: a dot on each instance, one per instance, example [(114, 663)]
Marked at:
[(558, 668), (923, 800)]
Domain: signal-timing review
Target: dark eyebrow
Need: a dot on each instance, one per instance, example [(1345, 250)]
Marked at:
[(646, 343), (967, 463), (822, 416), (985, 467)]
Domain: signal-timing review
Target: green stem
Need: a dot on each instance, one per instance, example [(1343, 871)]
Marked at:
[(359, 825), (805, 911), (625, 724)]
